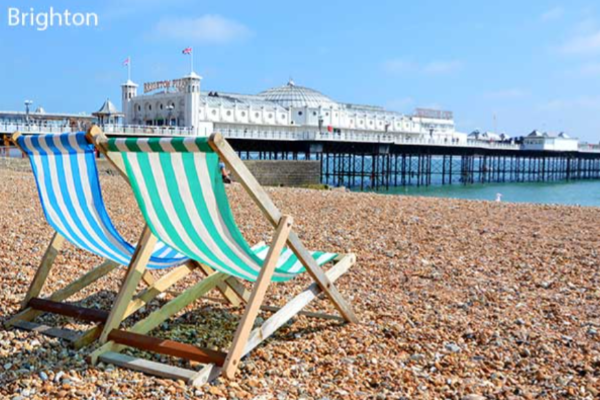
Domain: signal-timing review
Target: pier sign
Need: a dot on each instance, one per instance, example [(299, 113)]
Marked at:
[(178, 84)]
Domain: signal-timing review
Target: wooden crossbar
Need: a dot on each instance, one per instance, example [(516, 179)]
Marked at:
[(68, 310), (61, 333), (167, 347)]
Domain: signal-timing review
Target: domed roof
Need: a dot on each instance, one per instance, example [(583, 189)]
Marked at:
[(292, 95)]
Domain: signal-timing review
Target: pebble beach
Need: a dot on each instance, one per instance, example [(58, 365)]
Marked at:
[(458, 299)]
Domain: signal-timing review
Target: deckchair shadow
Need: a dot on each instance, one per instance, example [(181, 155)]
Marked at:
[(177, 184)]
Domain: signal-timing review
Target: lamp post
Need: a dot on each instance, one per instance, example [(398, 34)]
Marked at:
[(28, 103)]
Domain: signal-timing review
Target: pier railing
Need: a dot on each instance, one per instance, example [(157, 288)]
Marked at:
[(365, 137), (273, 133)]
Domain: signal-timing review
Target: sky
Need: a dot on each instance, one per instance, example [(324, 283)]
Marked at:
[(510, 66)]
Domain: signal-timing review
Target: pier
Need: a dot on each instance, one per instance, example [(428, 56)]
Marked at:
[(378, 161), (381, 165)]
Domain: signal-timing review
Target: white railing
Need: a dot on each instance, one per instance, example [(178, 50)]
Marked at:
[(349, 136), (149, 130), (111, 129), (274, 133), (33, 128), (589, 148)]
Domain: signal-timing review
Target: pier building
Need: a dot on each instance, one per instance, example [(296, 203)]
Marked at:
[(289, 109)]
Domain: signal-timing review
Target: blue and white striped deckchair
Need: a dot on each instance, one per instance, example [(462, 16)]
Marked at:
[(179, 189), (66, 175)]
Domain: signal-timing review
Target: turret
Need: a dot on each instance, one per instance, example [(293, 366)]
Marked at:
[(128, 92), (192, 100)]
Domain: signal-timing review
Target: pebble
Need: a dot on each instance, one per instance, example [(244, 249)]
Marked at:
[(453, 347)]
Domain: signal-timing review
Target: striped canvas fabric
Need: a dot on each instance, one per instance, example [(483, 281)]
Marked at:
[(65, 171), (178, 186)]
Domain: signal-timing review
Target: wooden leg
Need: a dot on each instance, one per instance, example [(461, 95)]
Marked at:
[(256, 298), (41, 274), (148, 278), (84, 281), (165, 312), (224, 287), (135, 271), (294, 306), (268, 208), (160, 286)]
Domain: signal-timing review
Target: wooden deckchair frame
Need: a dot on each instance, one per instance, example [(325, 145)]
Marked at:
[(245, 339), (33, 306)]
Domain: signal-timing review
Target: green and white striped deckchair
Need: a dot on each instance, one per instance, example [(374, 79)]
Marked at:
[(178, 186)]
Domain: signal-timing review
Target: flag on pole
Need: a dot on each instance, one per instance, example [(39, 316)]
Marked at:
[(126, 62), (187, 50)]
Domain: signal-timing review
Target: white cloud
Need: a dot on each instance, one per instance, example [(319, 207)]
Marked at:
[(510, 93), (552, 14), (442, 67), (399, 66), (207, 29), (588, 69), (583, 44)]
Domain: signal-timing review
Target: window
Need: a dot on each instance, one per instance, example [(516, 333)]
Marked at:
[(160, 106), (270, 116), (314, 113), (282, 116), (228, 113), (150, 107), (243, 113), (256, 115), (214, 112), (299, 112), (327, 114), (139, 108)]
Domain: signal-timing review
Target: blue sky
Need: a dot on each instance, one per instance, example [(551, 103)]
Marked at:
[(533, 64)]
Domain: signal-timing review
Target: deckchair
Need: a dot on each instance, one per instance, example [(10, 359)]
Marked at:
[(177, 184), (66, 175)]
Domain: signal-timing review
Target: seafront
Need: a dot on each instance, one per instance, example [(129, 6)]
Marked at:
[(457, 299)]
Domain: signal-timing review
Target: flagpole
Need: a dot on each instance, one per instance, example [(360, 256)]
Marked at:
[(128, 68), (192, 62)]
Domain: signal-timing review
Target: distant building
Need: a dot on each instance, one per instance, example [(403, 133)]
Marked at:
[(287, 108), (108, 114), (537, 140), (488, 136)]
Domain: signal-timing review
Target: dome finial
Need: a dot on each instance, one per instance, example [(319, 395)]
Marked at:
[(291, 81)]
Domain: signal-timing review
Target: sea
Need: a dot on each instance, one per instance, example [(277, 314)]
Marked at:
[(581, 193)]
